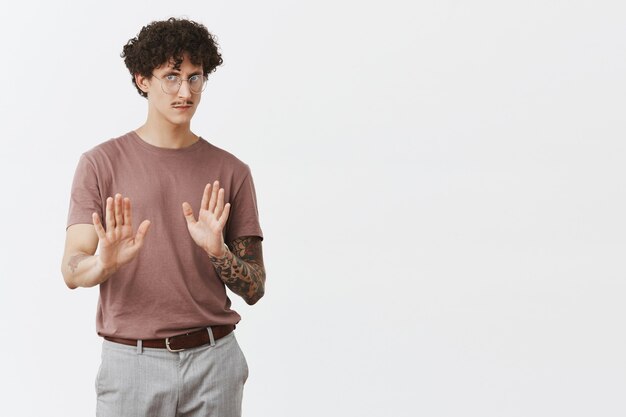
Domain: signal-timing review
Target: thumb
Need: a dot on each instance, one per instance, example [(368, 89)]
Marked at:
[(141, 232), (188, 213)]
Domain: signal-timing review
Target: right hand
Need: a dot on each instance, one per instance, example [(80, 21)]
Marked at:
[(118, 245)]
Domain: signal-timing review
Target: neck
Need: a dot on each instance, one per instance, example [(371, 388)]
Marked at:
[(166, 135)]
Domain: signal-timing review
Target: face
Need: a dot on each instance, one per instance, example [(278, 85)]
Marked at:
[(179, 107)]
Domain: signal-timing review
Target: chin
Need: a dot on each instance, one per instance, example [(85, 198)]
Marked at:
[(181, 119)]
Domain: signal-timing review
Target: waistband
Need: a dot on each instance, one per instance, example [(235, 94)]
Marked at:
[(180, 342)]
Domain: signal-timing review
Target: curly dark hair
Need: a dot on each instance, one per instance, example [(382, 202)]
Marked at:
[(162, 41)]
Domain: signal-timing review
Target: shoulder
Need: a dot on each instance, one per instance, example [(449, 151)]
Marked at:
[(110, 149), (227, 159)]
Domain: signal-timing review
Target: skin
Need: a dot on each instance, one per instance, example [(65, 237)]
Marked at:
[(244, 273), (239, 265), (166, 126)]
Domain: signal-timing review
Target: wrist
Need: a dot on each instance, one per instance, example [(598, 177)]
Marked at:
[(104, 271), (219, 255)]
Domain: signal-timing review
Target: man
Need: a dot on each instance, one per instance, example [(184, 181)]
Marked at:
[(169, 348)]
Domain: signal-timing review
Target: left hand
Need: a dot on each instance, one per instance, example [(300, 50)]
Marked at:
[(207, 231)]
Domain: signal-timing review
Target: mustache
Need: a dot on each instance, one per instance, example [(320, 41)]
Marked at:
[(182, 103)]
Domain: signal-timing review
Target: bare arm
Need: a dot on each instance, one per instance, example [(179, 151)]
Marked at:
[(118, 245), (79, 266), (242, 270)]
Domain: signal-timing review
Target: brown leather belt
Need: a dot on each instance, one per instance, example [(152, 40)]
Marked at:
[(179, 342)]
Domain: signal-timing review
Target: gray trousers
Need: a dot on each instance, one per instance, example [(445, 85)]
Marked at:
[(144, 382)]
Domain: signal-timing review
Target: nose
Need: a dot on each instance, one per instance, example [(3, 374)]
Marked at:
[(184, 91)]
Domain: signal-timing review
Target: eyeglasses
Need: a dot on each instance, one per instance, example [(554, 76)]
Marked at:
[(170, 84)]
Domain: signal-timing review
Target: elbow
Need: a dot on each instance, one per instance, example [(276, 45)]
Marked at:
[(253, 300), (69, 282), (67, 278), (258, 294)]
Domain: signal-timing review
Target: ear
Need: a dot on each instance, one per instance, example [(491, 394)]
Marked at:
[(142, 82)]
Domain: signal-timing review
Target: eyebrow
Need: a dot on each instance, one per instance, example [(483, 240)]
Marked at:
[(176, 72)]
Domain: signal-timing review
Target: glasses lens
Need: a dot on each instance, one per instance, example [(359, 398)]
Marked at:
[(170, 84), (197, 83)]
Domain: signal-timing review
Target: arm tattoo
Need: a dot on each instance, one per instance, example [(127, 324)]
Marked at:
[(75, 260), (242, 270)]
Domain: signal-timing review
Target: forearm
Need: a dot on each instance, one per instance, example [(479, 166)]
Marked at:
[(246, 279), (83, 270)]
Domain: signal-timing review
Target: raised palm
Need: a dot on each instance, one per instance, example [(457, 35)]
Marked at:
[(118, 244), (207, 230)]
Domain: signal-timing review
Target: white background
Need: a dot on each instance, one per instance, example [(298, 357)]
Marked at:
[(441, 187)]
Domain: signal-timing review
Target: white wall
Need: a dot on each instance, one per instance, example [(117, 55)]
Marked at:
[(441, 186)]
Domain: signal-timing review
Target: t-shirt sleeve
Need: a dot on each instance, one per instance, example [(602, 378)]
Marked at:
[(243, 219), (85, 196)]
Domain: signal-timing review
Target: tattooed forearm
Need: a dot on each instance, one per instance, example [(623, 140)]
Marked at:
[(75, 260), (242, 269)]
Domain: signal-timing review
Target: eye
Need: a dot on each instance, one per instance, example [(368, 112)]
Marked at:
[(171, 78), (195, 78)]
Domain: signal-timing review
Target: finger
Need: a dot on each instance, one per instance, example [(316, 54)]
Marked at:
[(127, 212), (119, 217), (188, 213), (97, 224), (219, 207), (141, 232), (109, 214), (204, 205), (213, 201), (224, 218)]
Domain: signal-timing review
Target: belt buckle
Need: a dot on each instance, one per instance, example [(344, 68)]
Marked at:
[(167, 346)]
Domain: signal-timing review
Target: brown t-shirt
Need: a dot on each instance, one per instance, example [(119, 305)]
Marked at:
[(171, 286)]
